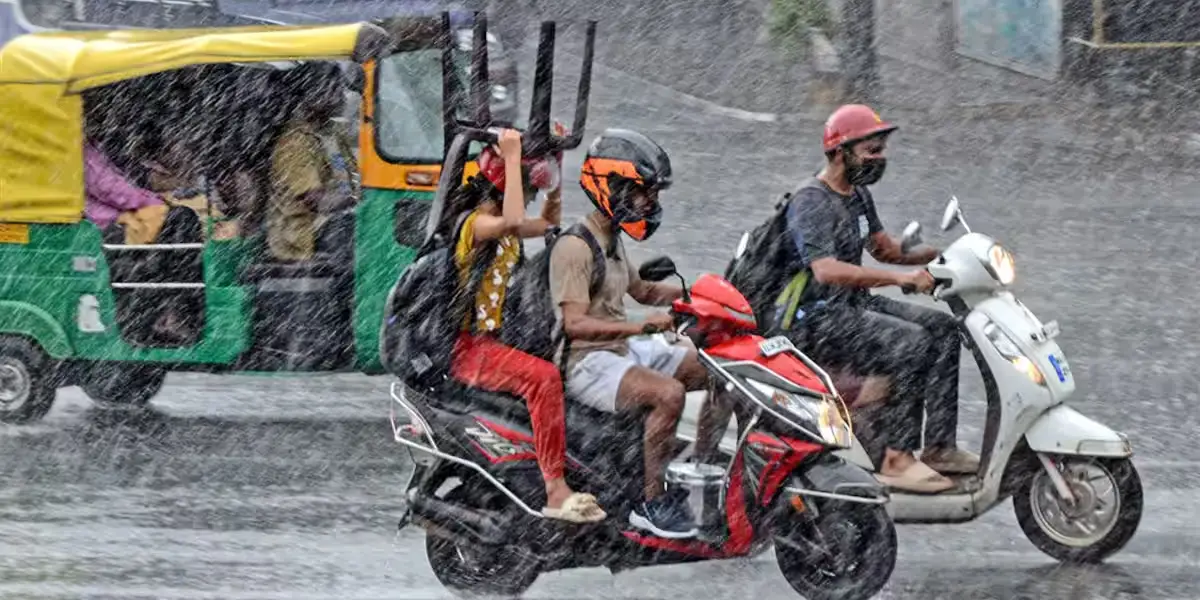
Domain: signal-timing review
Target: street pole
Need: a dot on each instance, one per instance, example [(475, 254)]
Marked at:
[(860, 58)]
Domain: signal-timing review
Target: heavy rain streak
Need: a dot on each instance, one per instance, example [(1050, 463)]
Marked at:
[(278, 320)]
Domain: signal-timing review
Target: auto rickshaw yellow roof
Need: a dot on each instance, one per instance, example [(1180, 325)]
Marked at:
[(42, 75)]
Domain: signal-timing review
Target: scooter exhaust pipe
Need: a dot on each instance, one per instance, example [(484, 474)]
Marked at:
[(459, 521)]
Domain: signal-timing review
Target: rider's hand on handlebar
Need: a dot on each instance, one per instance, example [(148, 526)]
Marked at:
[(917, 281), (510, 144), (659, 322)]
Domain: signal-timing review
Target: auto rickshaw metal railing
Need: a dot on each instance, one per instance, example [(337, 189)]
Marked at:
[(133, 285)]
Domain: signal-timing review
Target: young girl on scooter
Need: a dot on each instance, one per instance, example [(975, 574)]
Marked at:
[(498, 219)]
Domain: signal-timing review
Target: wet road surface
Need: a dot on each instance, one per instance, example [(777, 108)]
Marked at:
[(251, 487), (289, 491)]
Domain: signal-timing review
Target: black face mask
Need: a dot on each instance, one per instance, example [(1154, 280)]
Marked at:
[(867, 171)]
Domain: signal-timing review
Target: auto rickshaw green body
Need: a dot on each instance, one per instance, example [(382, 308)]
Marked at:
[(59, 321)]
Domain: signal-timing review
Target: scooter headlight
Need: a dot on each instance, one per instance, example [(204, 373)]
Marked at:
[(828, 414), (834, 423), (1012, 353), (1002, 264)]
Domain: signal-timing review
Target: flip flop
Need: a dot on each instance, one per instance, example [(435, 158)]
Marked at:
[(917, 478), (956, 461), (577, 508)]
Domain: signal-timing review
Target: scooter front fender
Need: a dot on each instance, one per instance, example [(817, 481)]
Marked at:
[(834, 478), (1063, 430)]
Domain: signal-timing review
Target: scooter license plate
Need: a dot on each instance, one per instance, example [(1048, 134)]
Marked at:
[(776, 345), (1061, 368)]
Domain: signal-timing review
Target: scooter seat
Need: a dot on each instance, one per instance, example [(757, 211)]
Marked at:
[(590, 432), (582, 417), (462, 399)]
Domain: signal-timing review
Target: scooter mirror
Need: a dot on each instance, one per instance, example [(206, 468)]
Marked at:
[(911, 238), (657, 269), (952, 215), (742, 243)]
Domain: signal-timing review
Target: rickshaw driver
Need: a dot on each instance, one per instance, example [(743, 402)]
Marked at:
[(312, 169)]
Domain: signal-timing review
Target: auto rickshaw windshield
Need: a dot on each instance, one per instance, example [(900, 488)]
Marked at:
[(410, 126)]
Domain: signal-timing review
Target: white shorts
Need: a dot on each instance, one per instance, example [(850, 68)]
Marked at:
[(596, 378)]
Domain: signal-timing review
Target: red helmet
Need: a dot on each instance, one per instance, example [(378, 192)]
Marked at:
[(540, 173), (853, 123)]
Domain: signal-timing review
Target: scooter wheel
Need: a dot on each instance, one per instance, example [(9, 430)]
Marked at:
[(470, 571), (1105, 515), (473, 572), (846, 553)]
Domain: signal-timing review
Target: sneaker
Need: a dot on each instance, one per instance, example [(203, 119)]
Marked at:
[(664, 517)]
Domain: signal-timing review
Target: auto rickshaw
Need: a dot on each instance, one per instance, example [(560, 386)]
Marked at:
[(64, 310)]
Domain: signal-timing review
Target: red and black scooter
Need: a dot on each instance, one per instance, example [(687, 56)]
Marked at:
[(476, 483)]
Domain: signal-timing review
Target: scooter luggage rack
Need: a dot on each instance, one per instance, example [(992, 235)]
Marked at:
[(401, 399)]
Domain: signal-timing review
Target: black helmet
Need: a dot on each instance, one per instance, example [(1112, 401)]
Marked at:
[(618, 162)]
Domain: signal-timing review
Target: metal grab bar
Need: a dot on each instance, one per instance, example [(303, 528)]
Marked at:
[(190, 246), (454, 459), (158, 286)]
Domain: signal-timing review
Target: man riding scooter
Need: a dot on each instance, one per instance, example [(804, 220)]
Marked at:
[(830, 220), (614, 365)]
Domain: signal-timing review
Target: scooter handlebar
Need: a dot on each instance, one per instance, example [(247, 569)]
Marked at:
[(909, 288)]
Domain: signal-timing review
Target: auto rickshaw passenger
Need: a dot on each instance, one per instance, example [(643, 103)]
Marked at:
[(312, 167), (177, 178), (111, 198)]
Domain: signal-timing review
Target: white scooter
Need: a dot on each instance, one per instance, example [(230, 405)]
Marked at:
[(1075, 491)]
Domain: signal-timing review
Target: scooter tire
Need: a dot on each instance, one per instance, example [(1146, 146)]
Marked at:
[(456, 565), (872, 552), (502, 579), (1129, 516)]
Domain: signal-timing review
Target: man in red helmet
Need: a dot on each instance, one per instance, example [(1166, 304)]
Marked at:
[(831, 220)]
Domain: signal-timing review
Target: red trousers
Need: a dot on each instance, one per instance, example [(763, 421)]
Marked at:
[(483, 362)]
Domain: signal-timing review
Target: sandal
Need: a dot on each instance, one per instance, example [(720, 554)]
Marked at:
[(917, 478), (953, 461), (577, 508)]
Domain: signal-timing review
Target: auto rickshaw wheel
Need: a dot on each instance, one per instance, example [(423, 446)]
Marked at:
[(26, 381), (123, 384)]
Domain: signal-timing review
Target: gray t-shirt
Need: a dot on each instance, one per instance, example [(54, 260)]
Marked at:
[(826, 224)]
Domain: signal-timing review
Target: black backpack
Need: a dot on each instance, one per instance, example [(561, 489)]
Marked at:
[(761, 273), (529, 321), (426, 309)]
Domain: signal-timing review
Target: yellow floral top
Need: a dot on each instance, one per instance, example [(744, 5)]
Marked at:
[(489, 300)]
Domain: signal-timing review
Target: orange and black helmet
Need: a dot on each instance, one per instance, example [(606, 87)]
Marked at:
[(617, 163)]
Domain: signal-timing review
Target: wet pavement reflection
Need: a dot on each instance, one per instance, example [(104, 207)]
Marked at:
[(168, 503)]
